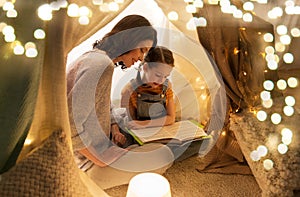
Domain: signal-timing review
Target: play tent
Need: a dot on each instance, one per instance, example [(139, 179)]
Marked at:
[(33, 89)]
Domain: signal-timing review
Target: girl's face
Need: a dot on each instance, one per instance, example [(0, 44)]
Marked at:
[(156, 75), (136, 54)]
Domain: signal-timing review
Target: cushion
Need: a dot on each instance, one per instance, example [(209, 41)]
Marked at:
[(48, 171)]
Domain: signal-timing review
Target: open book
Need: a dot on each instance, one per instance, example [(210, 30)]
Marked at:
[(178, 133)]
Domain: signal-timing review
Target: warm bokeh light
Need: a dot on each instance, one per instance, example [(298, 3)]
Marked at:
[(268, 164), (247, 17), (285, 39), (272, 65), (254, 155), (279, 47), (45, 12), (268, 85), (288, 110), (288, 58), (281, 84), (261, 115), (292, 82), (268, 37), (290, 100), (295, 32), (248, 6), (73, 10), (282, 148), (265, 95), (281, 29), (19, 50), (270, 50), (39, 34), (173, 16), (276, 118), (267, 103), (262, 150)]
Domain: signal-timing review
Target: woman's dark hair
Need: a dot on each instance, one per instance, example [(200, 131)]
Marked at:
[(159, 54), (126, 35)]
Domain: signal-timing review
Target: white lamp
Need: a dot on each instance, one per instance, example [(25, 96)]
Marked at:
[(148, 185)]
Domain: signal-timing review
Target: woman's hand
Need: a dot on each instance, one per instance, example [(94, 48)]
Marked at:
[(117, 137)]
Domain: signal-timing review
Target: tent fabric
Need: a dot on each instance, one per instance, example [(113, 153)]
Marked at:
[(237, 48)]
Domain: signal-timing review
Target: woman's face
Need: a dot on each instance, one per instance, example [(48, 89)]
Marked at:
[(136, 54), (156, 75)]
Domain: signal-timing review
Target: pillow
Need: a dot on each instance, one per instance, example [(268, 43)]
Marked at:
[(48, 171)]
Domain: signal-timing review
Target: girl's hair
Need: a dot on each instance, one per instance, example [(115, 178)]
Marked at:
[(126, 35), (159, 54)]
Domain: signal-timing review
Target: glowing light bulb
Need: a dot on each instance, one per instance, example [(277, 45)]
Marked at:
[(281, 84), (45, 12), (268, 103), (290, 100), (268, 164), (292, 82), (249, 6), (113, 6), (268, 85), (19, 50), (279, 47), (31, 52), (268, 37), (269, 50), (282, 148), (84, 11), (288, 58), (261, 115), (281, 29), (285, 39), (295, 32), (276, 118), (262, 150), (272, 65), (39, 34), (288, 110), (238, 14), (265, 95), (73, 10), (173, 16), (287, 133), (254, 155), (11, 13), (83, 20), (247, 17), (190, 8)]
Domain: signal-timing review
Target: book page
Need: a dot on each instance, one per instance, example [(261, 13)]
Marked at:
[(183, 130)]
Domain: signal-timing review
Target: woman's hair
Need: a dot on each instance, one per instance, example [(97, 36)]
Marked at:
[(159, 54), (126, 35)]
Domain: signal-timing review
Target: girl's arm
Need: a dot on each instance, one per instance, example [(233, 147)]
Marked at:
[(166, 120)]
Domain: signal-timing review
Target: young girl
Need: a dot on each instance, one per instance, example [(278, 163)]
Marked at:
[(149, 99)]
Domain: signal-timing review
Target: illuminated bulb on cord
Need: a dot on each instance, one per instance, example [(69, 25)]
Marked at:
[(292, 82), (268, 164)]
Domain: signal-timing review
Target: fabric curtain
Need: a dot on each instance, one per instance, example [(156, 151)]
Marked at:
[(33, 90), (238, 49)]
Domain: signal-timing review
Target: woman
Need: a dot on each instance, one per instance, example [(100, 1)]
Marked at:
[(149, 99), (88, 91)]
